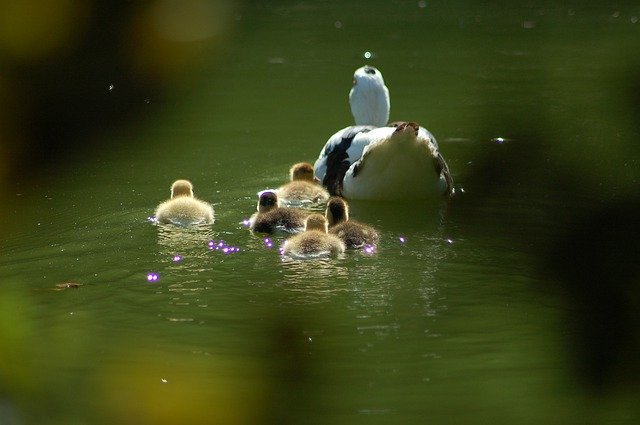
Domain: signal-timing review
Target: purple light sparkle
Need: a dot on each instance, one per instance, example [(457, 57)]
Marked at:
[(369, 249), (177, 258), (268, 242), (402, 239), (152, 277), (222, 246)]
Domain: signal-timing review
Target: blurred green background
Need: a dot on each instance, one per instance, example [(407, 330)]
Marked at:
[(516, 301)]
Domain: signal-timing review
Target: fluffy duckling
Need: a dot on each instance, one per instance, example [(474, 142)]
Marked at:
[(353, 233), (271, 217), (314, 241), (183, 208), (303, 186)]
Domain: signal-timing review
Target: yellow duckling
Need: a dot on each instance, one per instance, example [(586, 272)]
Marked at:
[(314, 241), (271, 218), (353, 233), (303, 187), (183, 208)]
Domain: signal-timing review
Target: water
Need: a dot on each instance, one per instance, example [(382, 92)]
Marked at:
[(450, 321)]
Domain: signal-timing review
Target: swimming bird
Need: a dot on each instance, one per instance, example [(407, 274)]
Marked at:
[(303, 187), (314, 241), (184, 209), (379, 161), (271, 218), (353, 233)]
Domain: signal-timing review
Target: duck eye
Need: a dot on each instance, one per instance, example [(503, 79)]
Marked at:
[(370, 71)]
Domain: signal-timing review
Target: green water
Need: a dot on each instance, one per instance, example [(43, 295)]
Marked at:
[(453, 325)]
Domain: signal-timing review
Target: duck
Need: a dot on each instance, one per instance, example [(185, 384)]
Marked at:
[(315, 241), (184, 209), (271, 217), (354, 234), (303, 187), (377, 160)]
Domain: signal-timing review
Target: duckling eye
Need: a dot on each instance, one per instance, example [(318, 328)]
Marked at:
[(371, 71)]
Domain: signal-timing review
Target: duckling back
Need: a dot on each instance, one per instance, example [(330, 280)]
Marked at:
[(184, 211), (278, 219), (314, 241), (183, 208), (355, 234)]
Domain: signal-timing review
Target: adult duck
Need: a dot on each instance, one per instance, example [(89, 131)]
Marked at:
[(379, 161), (315, 241), (272, 218), (184, 209), (303, 187)]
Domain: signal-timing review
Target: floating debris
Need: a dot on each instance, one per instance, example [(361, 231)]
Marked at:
[(66, 285)]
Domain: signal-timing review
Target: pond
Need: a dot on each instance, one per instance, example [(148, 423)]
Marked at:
[(106, 317)]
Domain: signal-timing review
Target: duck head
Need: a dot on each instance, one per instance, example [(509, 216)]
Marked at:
[(337, 210), (267, 200), (302, 171), (369, 97), (181, 188), (316, 222)]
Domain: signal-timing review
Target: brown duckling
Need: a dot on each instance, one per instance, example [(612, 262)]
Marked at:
[(271, 218), (353, 233), (303, 187), (314, 241), (184, 208)]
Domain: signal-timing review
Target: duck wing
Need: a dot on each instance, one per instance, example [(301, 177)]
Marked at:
[(341, 150)]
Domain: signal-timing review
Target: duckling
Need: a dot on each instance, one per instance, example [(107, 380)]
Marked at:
[(271, 217), (314, 241), (183, 208), (303, 187), (353, 233)]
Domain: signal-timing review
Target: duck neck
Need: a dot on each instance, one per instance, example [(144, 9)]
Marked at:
[(370, 105), (336, 214)]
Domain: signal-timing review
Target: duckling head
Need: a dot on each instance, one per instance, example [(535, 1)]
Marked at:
[(316, 222), (301, 171), (267, 200), (181, 188), (369, 97), (337, 210)]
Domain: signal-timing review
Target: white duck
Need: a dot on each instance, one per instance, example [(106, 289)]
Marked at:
[(378, 161), (183, 208)]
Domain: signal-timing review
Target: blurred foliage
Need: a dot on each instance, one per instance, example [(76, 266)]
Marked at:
[(72, 69)]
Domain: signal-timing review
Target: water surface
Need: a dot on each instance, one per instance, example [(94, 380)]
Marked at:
[(449, 321)]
